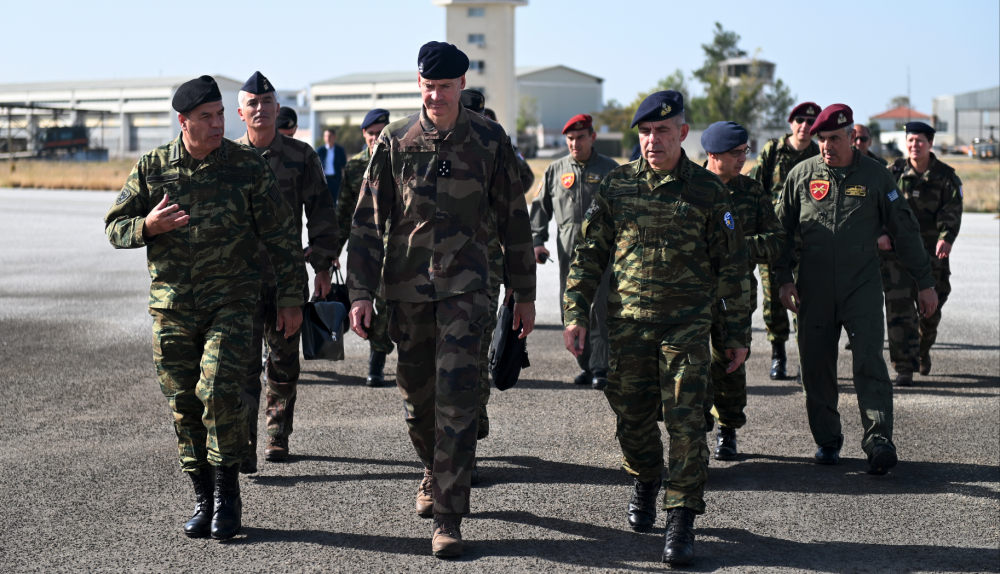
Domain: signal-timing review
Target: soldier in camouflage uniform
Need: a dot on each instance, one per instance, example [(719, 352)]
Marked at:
[(666, 225), (300, 177), (934, 193), (727, 148), (200, 205), (420, 240), (775, 161), (838, 203), (378, 337), (567, 190)]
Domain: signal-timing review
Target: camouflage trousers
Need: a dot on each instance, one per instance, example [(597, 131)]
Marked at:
[(437, 372), (775, 314), (378, 335), (200, 357), (910, 335), (484, 363), (727, 392), (282, 368), (664, 367)]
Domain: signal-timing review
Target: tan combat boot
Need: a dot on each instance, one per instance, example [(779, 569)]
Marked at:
[(425, 495), (276, 449), (447, 541)]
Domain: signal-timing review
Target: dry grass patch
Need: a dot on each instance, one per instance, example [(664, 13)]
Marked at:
[(65, 174)]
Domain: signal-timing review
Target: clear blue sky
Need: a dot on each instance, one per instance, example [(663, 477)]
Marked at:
[(856, 53)]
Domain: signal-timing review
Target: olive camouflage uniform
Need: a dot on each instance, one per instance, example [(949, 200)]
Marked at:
[(839, 214), (935, 197), (419, 239), (354, 171), (566, 191), (677, 252), (774, 163), (206, 276), (754, 210), (300, 177)]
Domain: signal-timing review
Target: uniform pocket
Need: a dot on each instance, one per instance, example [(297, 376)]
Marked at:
[(392, 329)]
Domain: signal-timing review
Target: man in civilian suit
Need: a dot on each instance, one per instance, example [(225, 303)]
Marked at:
[(333, 158)]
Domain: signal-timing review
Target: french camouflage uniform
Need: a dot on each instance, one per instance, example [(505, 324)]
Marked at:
[(566, 191), (935, 198), (677, 254), (774, 163), (300, 177), (839, 214), (754, 210), (206, 277), (354, 171), (419, 239), (527, 177)]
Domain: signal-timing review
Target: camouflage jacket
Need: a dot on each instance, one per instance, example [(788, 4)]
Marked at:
[(300, 177), (755, 212), (354, 172), (840, 218), (776, 161), (566, 191), (234, 203), (935, 197), (524, 172), (422, 225), (676, 249)]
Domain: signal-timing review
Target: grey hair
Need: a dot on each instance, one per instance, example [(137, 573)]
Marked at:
[(679, 119), (848, 129)]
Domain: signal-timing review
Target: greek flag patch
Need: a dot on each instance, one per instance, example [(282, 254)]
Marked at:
[(729, 220), (893, 196)]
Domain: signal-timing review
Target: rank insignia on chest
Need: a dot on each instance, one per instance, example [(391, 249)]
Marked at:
[(729, 220), (593, 178), (818, 188), (856, 191), (444, 168), (567, 179)]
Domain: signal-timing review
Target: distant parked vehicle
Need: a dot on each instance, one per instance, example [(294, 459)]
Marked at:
[(64, 139)]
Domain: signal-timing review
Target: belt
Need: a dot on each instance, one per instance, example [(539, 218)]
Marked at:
[(850, 248)]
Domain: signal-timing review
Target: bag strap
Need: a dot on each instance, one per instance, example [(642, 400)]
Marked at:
[(338, 278)]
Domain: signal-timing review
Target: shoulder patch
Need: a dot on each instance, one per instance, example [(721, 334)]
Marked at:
[(728, 218), (893, 196), (591, 210), (124, 196), (274, 194)]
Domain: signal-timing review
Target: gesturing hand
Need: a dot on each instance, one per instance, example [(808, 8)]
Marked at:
[(163, 218)]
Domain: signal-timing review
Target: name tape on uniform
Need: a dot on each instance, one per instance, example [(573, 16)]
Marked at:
[(856, 190)]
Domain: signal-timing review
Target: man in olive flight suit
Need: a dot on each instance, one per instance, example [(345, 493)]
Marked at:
[(566, 191), (666, 225), (838, 203), (201, 205)]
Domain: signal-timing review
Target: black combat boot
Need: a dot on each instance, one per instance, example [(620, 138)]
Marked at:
[(725, 444), (882, 458), (642, 505), (376, 369), (475, 474), (584, 378), (200, 524), (600, 381), (679, 547), (779, 360), (228, 517)]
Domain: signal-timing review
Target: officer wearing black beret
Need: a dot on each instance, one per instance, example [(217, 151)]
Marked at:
[(474, 101), (193, 93), (934, 192), (288, 122), (441, 61)]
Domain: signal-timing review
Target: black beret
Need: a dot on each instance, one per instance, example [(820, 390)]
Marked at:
[(474, 101), (257, 84), (287, 119), (723, 136), (441, 61), (920, 128), (376, 116), (194, 93), (659, 106)]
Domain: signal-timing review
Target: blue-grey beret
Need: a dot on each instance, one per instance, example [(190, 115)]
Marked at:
[(441, 61), (376, 116), (257, 84), (723, 136), (194, 93), (659, 106)]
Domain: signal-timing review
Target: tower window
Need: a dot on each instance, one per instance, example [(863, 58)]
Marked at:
[(477, 39), (477, 12)]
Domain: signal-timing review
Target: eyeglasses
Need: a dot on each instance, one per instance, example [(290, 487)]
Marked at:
[(800, 119), (738, 153), (862, 139)]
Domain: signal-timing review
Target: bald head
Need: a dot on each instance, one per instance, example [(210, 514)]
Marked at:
[(862, 138)]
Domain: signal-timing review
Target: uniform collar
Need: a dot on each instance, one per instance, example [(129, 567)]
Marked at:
[(931, 169), (273, 149), (459, 133), (179, 153), (683, 171)]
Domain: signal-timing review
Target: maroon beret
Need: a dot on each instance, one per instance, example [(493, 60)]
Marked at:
[(806, 110), (578, 122), (831, 118)]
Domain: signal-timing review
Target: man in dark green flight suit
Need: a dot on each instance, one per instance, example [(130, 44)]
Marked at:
[(839, 203)]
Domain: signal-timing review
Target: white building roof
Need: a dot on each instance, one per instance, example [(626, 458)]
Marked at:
[(114, 84)]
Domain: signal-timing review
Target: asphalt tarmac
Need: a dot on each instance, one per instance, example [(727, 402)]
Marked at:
[(89, 480)]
